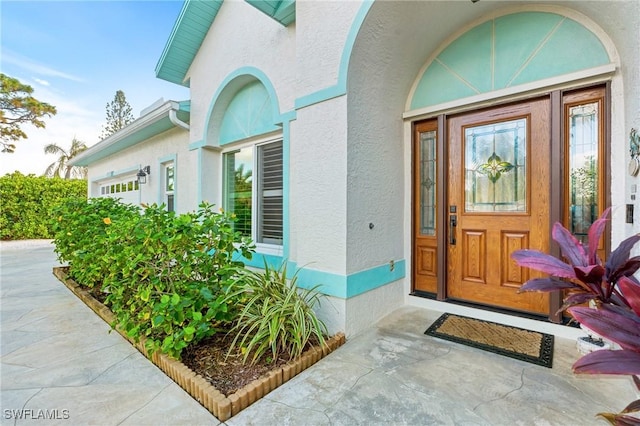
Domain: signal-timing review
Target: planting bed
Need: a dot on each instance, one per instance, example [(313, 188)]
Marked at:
[(223, 391)]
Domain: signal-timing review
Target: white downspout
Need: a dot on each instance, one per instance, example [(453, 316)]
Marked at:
[(175, 120)]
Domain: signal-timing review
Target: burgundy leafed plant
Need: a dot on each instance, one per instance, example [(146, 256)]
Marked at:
[(613, 293)]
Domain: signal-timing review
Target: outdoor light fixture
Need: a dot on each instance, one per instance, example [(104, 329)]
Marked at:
[(142, 174)]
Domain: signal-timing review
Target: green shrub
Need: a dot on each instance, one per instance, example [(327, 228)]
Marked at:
[(83, 232), (275, 315), (174, 274), (28, 201), (165, 275)]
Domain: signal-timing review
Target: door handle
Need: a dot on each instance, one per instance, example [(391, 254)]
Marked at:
[(453, 222)]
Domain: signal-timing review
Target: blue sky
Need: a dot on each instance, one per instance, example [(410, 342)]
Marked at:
[(76, 55)]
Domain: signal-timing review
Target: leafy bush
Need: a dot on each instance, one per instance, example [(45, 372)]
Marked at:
[(28, 201), (165, 275), (611, 289), (275, 315), (81, 229)]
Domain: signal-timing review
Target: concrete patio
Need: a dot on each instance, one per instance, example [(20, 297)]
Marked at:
[(58, 359)]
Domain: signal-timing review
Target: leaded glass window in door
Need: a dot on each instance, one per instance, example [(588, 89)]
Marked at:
[(495, 167), (428, 183)]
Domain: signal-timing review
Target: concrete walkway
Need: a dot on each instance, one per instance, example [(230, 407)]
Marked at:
[(58, 359)]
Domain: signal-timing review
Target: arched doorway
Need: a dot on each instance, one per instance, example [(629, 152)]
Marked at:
[(501, 86)]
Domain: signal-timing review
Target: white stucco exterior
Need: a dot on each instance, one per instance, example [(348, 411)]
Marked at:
[(340, 80)]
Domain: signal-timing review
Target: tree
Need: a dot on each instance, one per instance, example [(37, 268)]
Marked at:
[(118, 115), (61, 167), (18, 107)]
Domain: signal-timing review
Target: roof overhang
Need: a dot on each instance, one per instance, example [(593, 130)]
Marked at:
[(187, 36), (192, 25), (153, 123), (283, 11)]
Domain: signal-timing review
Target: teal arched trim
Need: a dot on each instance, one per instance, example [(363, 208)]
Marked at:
[(248, 114), (508, 51), (340, 88), (227, 90)]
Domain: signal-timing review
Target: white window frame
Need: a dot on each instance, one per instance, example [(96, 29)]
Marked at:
[(167, 192), (254, 144)]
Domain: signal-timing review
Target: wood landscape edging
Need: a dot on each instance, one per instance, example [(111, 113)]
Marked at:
[(221, 406)]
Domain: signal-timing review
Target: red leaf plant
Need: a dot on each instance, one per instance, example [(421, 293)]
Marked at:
[(614, 296)]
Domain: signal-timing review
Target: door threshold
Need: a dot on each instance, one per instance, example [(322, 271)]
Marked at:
[(532, 322)]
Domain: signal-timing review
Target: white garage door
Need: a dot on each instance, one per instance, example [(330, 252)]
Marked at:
[(125, 188)]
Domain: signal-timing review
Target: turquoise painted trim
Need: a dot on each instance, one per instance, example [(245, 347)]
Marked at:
[(508, 51), (187, 35), (282, 11), (363, 281), (248, 114), (286, 179), (242, 76), (199, 177), (161, 162), (329, 283), (258, 260), (351, 285), (340, 88), (196, 145)]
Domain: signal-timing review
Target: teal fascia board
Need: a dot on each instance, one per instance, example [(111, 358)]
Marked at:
[(189, 31), (283, 11)]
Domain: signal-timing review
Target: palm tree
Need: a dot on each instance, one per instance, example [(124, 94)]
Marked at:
[(60, 167)]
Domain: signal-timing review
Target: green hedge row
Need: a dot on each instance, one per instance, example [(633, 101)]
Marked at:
[(175, 280), (26, 204), (164, 276)]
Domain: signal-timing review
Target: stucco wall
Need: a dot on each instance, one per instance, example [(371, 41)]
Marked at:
[(151, 152), (318, 179), (241, 37), (322, 31)]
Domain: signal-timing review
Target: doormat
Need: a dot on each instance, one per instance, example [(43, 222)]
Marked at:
[(513, 342)]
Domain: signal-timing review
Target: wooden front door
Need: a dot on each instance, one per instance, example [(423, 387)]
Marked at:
[(498, 196)]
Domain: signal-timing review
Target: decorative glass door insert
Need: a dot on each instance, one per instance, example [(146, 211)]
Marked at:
[(428, 183), (495, 167), (583, 168)]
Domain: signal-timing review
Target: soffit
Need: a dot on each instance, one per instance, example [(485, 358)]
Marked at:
[(185, 40)]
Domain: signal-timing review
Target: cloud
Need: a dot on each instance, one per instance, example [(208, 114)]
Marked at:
[(42, 82), (12, 58)]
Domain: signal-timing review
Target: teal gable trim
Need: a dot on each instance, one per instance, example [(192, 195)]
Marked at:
[(283, 11), (185, 40), (508, 51), (340, 88), (250, 113)]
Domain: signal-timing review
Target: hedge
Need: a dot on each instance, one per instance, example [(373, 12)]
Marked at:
[(26, 204)]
